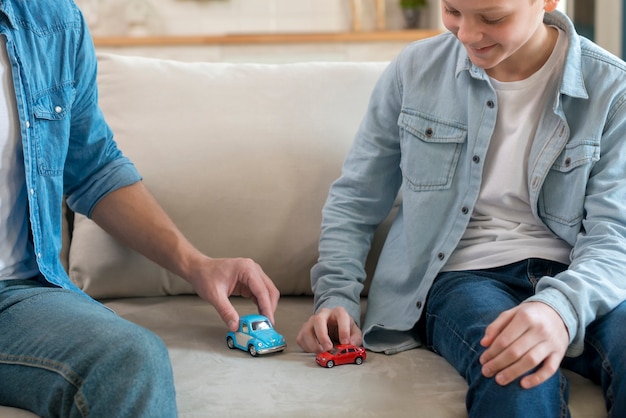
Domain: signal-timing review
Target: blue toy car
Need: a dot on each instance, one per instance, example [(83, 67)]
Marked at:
[(256, 336)]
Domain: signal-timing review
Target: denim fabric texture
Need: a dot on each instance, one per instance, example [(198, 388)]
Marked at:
[(424, 139), (461, 305), (62, 355), (68, 147)]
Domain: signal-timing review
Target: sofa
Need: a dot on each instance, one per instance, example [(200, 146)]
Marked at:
[(241, 156)]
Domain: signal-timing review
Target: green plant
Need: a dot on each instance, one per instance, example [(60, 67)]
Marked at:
[(413, 4)]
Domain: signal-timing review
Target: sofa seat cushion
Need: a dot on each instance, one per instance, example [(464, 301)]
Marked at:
[(212, 380)]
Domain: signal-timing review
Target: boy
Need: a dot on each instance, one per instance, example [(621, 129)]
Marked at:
[(505, 138)]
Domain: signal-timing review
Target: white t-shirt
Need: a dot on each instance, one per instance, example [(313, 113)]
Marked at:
[(503, 229), (16, 251)]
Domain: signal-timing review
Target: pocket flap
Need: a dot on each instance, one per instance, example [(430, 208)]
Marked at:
[(54, 104), (429, 130), (577, 154)]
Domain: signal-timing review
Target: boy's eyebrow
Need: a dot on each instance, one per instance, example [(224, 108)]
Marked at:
[(485, 10)]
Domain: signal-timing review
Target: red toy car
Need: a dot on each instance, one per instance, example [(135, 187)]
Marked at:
[(341, 354)]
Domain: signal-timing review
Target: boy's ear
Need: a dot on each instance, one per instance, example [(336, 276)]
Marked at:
[(550, 5)]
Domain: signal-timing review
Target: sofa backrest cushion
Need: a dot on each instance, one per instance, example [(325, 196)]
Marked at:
[(241, 157)]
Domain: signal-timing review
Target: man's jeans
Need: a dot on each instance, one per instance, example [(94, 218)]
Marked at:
[(462, 304), (64, 355)]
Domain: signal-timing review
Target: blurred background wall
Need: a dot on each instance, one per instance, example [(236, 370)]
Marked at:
[(600, 20)]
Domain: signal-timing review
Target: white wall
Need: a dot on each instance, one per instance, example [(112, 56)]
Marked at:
[(216, 17), (185, 17), (608, 25)]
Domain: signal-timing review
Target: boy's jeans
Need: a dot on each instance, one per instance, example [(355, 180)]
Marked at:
[(62, 354), (462, 304)]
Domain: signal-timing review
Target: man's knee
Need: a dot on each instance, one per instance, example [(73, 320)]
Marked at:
[(138, 353)]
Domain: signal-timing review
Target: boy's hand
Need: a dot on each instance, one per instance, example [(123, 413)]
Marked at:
[(528, 336), (328, 325)]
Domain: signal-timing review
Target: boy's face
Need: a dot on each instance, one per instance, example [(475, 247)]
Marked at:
[(505, 37)]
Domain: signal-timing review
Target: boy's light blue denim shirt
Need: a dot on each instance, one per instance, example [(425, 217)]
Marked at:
[(425, 136), (68, 147)]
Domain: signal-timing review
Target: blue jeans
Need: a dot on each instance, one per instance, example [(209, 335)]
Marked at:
[(63, 355), (460, 306)]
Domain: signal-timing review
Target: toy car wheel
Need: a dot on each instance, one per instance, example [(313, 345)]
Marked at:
[(230, 343), (252, 350), (358, 360), (330, 364)]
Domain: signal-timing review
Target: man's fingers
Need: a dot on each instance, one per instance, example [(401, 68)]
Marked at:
[(259, 287), (228, 313)]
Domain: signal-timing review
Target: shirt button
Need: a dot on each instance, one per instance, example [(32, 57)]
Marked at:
[(58, 109), (32, 191), (419, 304), (535, 182), (27, 124), (490, 104), (465, 210), (476, 159), (441, 256)]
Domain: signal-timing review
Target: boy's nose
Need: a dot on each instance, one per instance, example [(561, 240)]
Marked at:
[(468, 32)]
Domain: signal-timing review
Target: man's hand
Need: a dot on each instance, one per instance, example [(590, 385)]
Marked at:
[(133, 216), (528, 336), (328, 325), (218, 278)]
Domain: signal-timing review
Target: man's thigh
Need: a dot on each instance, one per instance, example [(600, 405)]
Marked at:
[(53, 342), (38, 320)]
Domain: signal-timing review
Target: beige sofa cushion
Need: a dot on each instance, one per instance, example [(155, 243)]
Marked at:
[(240, 155), (208, 376)]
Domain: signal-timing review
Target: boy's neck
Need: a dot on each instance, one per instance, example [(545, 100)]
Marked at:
[(528, 61)]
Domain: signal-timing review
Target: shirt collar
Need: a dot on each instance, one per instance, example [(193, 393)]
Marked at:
[(6, 9), (573, 80)]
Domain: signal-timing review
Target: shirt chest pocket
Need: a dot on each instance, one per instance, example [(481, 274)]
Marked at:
[(51, 111), (430, 151), (563, 192)]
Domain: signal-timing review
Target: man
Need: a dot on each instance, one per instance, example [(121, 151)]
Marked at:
[(61, 353)]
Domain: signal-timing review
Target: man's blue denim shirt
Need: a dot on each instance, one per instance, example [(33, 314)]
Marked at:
[(68, 147), (425, 136)]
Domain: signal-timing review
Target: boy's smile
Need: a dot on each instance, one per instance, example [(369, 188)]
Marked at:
[(505, 37)]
